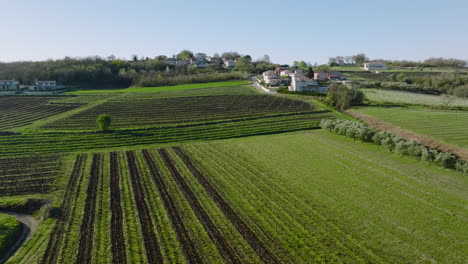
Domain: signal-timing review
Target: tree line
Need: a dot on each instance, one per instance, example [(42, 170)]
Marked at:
[(143, 71)]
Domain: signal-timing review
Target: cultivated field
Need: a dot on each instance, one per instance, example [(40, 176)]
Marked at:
[(230, 202), (152, 191), (28, 175), (21, 111), (164, 88), (133, 112), (447, 126), (397, 97)]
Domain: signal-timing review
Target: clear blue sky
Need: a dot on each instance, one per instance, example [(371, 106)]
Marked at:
[(285, 30)]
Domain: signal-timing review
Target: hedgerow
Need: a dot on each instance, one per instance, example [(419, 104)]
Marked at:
[(394, 143)]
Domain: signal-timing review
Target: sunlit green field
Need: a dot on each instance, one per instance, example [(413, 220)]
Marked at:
[(326, 198), (447, 126), (163, 88), (387, 96)]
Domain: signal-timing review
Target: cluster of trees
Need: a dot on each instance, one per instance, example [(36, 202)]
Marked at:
[(112, 71), (357, 59), (431, 62), (393, 143), (341, 97)]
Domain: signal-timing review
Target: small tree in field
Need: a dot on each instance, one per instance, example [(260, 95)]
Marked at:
[(104, 121)]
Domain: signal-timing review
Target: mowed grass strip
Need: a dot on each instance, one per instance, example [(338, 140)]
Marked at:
[(389, 96), (164, 88), (328, 198), (447, 126)]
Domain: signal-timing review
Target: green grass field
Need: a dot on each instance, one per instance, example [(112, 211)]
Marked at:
[(447, 126), (164, 88), (326, 198), (10, 228), (400, 97)]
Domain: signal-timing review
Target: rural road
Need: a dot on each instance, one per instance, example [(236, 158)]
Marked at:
[(30, 226), (259, 87)]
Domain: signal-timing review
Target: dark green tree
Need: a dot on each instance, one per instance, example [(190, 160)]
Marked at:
[(310, 73), (104, 122)]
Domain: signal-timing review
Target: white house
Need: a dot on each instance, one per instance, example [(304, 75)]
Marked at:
[(9, 85), (374, 66), (229, 63), (301, 83), (285, 73), (271, 78), (44, 86)]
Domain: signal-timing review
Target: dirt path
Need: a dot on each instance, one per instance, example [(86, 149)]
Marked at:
[(30, 227), (425, 140), (259, 87)]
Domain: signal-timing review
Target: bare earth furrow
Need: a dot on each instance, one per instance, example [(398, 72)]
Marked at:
[(118, 242), (153, 251), (87, 227), (55, 241), (228, 253), (179, 226), (265, 254)]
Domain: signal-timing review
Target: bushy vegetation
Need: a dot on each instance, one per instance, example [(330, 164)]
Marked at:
[(445, 83), (342, 97), (393, 143), (10, 229)]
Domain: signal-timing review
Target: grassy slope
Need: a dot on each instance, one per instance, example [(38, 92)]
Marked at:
[(387, 96), (447, 126), (326, 197), (164, 88), (10, 228)]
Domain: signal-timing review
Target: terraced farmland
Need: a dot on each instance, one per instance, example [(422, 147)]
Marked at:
[(28, 175), (447, 126), (141, 112), (21, 111)]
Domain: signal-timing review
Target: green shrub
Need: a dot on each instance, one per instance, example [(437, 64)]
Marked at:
[(462, 166), (445, 160), (429, 155)]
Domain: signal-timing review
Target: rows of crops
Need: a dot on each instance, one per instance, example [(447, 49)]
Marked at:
[(65, 142), (28, 175), (163, 209), (22, 111), (149, 112)]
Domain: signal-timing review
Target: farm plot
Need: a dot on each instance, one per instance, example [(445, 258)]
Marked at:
[(21, 111), (335, 200), (28, 175), (446, 126), (400, 97), (161, 218), (132, 112), (66, 142)]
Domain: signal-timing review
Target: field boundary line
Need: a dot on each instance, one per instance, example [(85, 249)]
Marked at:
[(423, 139)]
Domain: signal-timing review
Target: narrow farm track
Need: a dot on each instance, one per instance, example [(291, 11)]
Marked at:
[(118, 241), (87, 227), (228, 253), (152, 246), (265, 254), (179, 226), (56, 238)]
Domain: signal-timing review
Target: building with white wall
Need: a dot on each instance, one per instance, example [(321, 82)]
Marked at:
[(44, 86), (9, 85), (370, 66), (301, 83)]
